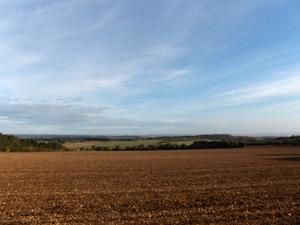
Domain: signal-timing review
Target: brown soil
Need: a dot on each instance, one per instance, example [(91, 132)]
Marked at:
[(241, 186)]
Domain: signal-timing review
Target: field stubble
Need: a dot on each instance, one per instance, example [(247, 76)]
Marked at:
[(238, 186)]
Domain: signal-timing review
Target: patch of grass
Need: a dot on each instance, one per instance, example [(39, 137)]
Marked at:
[(110, 144)]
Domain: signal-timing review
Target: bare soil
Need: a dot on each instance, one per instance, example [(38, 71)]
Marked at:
[(234, 186)]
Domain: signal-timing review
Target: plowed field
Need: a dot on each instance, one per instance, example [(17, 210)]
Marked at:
[(238, 186)]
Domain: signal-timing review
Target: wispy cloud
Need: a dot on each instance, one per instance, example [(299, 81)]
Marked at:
[(69, 119), (173, 75), (26, 59), (165, 51), (284, 87), (4, 25)]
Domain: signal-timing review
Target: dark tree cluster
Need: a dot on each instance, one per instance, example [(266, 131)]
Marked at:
[(216, 144), (9, 143)]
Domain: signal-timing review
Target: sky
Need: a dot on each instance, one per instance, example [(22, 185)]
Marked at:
[(138, 67)]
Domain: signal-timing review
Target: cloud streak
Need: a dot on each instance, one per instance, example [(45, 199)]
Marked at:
[(284, 87), (66, 119)]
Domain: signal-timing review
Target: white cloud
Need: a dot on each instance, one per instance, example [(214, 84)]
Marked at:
[(4, 25), (91, 85), (174, 74), (26, 59), (284, 87), (166, 51)]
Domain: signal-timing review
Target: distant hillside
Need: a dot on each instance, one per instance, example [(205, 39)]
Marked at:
[(10, 143), (293, 140)]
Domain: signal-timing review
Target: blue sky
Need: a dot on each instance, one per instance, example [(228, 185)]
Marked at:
[(150, 66)]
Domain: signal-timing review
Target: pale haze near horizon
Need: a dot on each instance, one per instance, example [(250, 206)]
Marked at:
[(149, 67)]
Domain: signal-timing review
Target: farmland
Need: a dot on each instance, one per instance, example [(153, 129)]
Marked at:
[(111, 144), (259, 185)]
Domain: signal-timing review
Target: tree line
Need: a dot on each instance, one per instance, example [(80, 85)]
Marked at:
[(9, 143), (169, 146)]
